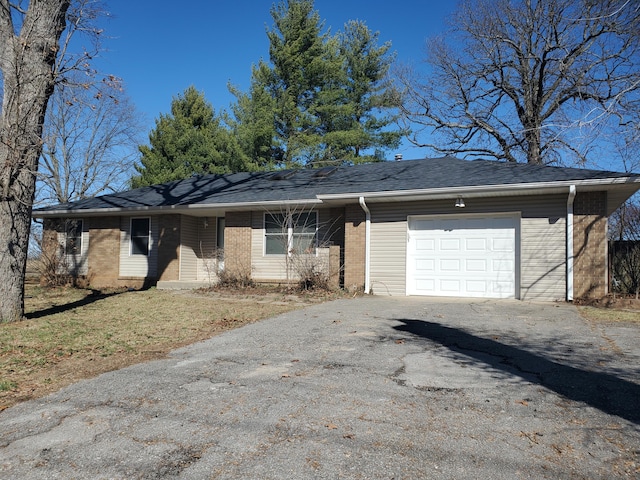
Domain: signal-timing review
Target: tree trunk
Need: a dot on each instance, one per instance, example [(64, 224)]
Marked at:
[(15, 223), (28, 64), (532, 136)]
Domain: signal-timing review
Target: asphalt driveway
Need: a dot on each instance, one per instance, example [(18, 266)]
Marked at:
[(369, 388)]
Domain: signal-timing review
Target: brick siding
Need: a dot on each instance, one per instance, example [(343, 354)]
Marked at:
[(104, 251), (354, 247), (590, 245), (237, 243)]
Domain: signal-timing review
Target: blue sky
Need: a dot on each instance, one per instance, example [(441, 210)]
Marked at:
[(161, 47)]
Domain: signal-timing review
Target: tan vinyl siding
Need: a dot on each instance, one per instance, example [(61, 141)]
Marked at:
[(388, 257), (138, 265), (207, 263), (264, 267), (543, 248), (542, 240), (198, 249), (188, 245), (543, 259)]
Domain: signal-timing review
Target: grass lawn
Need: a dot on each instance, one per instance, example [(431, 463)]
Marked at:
[(72, 334)]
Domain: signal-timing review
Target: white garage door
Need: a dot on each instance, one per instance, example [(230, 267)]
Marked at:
[(462, 257)]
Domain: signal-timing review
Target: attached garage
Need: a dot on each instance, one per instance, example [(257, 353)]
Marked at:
[(463, 256)]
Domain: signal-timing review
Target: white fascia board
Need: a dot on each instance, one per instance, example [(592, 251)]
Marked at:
[(483, 190), (188, 209)]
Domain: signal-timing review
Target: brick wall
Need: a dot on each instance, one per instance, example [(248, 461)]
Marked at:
[(104, 251), (169, 247), (354, 247), (237, 243), (590, 245)]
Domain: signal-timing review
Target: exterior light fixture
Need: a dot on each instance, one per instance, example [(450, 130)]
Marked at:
[(460, 202)]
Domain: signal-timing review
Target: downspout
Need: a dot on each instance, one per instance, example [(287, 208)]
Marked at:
[(367, 245), (570, 199)]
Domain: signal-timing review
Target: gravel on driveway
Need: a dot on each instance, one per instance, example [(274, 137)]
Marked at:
[(367, 388)]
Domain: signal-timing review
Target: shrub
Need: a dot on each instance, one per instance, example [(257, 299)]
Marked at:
[(234, 279)]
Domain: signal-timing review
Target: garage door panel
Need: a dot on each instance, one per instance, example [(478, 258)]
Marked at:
[(425, 285), (450, 265), (506, 287), (476, 244), (449, 244), (450, 285), (476, 265), (425, 244), (426, 265), (503, 265), (462, 257), (478, 286), (502, 245)]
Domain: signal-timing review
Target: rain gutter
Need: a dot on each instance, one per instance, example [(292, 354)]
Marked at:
[(367, 245), (570, 199)]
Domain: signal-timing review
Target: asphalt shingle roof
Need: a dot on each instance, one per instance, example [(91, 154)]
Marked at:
[(304, 184)]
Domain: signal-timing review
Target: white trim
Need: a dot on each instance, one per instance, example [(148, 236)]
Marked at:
[(482, 190), (367, 245), (570, 199), (179, 248), (606, 256)]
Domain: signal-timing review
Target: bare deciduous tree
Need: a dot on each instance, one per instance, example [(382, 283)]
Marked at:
[(514, 80), (35, 54), (624, 251), (90, 142), (295, 233)]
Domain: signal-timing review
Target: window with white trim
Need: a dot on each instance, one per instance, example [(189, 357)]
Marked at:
[(140, 236), (293, 233)]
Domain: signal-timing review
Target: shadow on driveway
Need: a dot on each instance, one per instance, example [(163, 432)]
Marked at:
[(603, 391)]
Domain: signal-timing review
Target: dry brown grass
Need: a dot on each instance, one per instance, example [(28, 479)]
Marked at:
[(612, 308), (72, 334), (611, 315)]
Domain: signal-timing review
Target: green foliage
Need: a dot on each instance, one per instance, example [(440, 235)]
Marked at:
[(368, 91), (190, 140), (322, 99), (252, 122), (297, 53)]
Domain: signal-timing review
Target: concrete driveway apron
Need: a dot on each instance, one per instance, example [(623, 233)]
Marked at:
[(368, 388)]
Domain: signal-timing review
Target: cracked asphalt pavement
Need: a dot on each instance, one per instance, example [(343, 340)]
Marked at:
[(367, 388)]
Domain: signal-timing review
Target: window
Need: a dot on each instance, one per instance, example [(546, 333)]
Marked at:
[(140, 235), (220, 233), (73, 237), (294, 233)]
